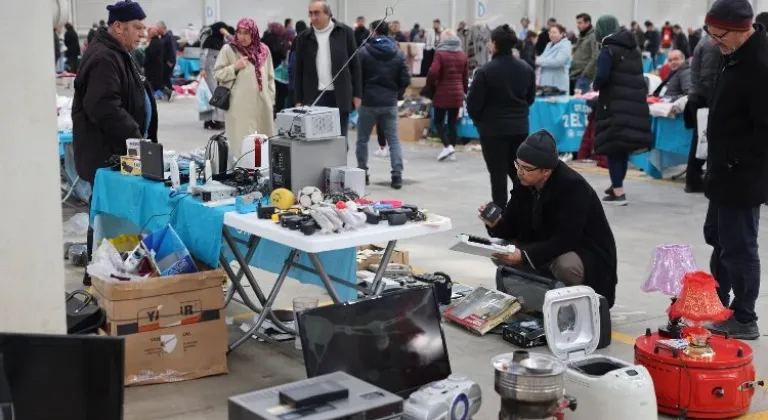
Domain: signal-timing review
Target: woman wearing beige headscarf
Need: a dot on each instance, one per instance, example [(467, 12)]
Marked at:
[(244, 66)]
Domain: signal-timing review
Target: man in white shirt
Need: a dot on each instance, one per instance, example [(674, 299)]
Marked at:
[(321, 52)]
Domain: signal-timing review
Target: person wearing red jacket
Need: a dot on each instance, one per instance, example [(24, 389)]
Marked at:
[(449, 77)]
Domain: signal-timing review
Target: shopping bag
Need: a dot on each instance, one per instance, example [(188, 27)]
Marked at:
[(203, 96), (169, 254), (281, 73), (702, 117)]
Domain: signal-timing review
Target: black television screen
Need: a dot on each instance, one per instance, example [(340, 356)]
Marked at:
[(62, 377), (394, 341)]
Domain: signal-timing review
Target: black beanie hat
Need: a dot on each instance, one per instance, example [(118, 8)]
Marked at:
[(540, 150), (732, 15), (125, 11)]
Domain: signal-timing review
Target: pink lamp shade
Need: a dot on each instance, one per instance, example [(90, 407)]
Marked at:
[(698, 301), (670, 263)]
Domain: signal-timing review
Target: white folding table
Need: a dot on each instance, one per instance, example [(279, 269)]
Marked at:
[(257, 229)]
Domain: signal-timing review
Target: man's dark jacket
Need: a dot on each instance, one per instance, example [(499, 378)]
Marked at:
[(385, 72), (566, 215), (348, 85), (361, 34), (500, 96), (705, 67), (737, 133), (169, 47), (108, 106)]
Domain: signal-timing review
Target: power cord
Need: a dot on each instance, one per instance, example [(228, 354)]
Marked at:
[(180, 197)]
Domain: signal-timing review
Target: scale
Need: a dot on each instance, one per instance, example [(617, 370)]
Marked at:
[(621, 390)]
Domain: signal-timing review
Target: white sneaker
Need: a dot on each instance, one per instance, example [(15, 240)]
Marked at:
[(452, 157), (385, 152), (445, 153), (379, 153)]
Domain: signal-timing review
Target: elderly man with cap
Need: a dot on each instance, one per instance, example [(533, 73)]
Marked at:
[(113, 101), (736, 182), (556, 221)]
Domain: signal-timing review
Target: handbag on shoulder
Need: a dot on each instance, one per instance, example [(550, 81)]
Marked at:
[(220, 97)]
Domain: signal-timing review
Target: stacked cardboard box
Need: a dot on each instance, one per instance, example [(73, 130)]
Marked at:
[(174, 327)]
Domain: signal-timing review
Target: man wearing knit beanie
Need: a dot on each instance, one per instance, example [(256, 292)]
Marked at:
[(556, 222), (112, 102), (736, 182)]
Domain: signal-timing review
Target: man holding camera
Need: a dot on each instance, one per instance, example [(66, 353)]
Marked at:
[(556, 222)]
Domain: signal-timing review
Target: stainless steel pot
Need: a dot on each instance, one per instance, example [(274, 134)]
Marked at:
[(529, 377)]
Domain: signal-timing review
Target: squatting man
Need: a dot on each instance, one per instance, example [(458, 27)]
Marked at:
[(556, 222)]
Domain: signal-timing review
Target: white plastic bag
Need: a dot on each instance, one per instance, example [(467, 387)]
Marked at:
[(203, 96), (702, 117)]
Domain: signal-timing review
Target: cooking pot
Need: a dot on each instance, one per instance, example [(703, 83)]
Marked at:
[(529, 377)]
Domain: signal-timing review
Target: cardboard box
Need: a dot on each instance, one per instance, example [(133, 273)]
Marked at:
[(174, 327), (398, 257), (412, 129), (130, 165)]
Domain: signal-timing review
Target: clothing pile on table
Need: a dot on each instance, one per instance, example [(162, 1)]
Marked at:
[(549, 91), (661, 108), (412, 108)]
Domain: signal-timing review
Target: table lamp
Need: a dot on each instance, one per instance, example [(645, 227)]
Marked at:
[(669, 265), (698, 303)]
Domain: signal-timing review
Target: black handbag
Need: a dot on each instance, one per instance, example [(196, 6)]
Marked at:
[(220, 97), (83, 315), (428, 91)]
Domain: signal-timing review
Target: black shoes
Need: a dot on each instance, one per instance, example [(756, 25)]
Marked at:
[(612, 198), (737, 330), (397, 181), (694, 189), (213, 125)]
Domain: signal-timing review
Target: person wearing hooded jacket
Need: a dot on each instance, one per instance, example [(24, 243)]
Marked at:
[(385, 74), (556, 222), (623, 119)]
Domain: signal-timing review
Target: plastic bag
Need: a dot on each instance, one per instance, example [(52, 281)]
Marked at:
[(203, 96), (170, 255), (702, 118)]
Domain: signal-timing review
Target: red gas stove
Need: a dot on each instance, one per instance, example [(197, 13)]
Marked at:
[(715, 380)]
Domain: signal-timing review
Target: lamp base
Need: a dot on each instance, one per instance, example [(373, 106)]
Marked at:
[(695, 386), (673, 330)]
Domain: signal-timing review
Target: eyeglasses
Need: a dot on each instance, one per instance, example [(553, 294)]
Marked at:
[(719, 38), (526, 169)]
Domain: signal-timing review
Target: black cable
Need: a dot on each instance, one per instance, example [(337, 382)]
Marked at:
[(170, 214)]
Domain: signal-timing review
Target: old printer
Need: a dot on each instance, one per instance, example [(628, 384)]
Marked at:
[(309, 123)]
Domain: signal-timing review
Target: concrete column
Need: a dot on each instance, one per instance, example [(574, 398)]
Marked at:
[(636, 11), (343, 11), (32, 296), (531, 12), (211, 12), (451, 14)]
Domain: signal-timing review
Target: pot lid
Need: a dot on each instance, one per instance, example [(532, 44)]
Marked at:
[(523, 363), (572, 321)]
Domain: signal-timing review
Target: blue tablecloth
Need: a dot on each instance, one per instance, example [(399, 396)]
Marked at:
[(64, 138), (648, 66), (187, 67), (564, 117), (148, 204)]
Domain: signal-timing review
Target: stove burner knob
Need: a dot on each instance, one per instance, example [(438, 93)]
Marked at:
[(647, 332), (740, 353), (572, 403), (718, 392)]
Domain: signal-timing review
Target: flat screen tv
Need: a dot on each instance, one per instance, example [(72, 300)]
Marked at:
[(394, 341), (61, 377)]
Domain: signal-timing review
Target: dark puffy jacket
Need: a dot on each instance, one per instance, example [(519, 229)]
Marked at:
[(108, 106), (623, 118), (737, 162), (705, 67), (449, 74), (501, 93), (385, 72)]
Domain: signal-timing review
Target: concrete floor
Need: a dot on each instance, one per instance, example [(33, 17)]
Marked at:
[(659, 212)]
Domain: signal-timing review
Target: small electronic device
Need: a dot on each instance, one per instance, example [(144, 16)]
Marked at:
[(192, 187), (453, 398), (364, 401), (309, 123), (298, 164), (266, 212), (475, 245), (308, 395), (525, 331), (400, 321), (133, 147), (397, 219), (342, 178), (216, 191), (217, 152), (492, 213), (175, 175), (622, 390), (130, 166), (80, 375), (152, 163)]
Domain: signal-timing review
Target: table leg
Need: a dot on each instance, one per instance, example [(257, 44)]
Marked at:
[(267, 310), (253, 243), (244, 263), (236, 287), (324, 277), (376, 282)]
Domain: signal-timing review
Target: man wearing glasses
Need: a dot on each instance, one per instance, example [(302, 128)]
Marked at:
[(736, 183), (556, 221)]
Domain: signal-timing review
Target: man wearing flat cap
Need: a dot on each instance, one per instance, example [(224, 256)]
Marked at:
[(736, 182), (113, 102), (556, 221)]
